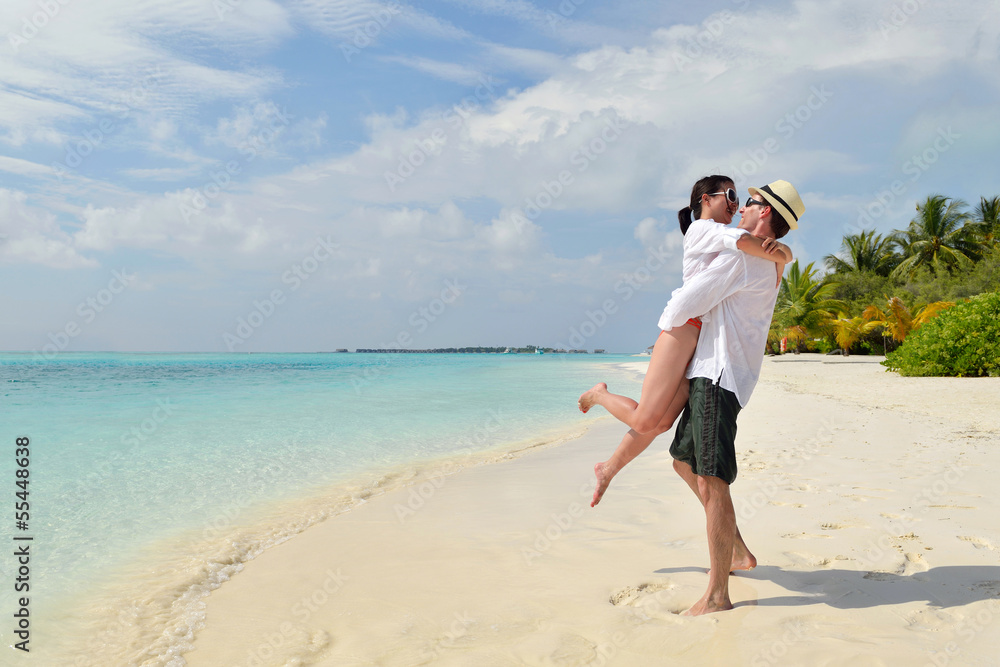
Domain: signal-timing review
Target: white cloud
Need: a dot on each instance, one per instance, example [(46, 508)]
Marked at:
[(95, 61), (358, 24), (454, 72), (32, 235), (18, 166), (164, 224)]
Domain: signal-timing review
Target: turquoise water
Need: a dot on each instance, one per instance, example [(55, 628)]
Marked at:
[(129, 450)]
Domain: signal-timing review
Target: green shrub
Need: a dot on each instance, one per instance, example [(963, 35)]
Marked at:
[(961, 341), (822, 346)]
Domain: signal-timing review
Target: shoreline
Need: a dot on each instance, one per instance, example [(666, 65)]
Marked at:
[(507, 563)]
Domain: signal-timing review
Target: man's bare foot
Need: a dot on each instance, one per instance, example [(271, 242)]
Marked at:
[(604, 476), (588, 399), (708, 606), (742, 558)]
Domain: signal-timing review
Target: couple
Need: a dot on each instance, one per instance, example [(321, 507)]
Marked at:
[(718, 321)]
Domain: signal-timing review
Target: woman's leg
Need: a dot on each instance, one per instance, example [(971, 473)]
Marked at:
[(634, 443), (671, 354)]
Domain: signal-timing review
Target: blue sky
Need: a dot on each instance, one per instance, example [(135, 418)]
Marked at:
[(249, 175)]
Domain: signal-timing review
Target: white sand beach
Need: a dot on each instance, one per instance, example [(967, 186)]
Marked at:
[(869, 500)]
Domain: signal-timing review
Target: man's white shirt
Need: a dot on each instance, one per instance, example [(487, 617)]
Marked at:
[(736, 292)]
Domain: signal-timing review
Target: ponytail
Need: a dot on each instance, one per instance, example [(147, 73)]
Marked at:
[(685, 217)]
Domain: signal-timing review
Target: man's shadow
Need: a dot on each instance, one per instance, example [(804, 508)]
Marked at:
[(941, 587)]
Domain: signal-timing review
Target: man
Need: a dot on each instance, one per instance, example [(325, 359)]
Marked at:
[(736, 295)]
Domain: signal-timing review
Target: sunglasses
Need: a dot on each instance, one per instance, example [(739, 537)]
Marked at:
[(731, 195), (755, 202)]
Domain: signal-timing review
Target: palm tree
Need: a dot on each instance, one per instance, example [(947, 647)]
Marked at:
[(938, 238), (987, 219), (866, 251), (805, 305), (849, 330), (899, 321)]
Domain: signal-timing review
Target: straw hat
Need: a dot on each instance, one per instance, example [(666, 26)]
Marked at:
[(783, 198)]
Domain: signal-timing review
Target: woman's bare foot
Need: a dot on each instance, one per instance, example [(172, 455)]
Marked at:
[(604, 475), (588, 399)]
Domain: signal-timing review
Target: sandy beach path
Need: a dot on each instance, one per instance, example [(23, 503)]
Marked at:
[(869, 500)]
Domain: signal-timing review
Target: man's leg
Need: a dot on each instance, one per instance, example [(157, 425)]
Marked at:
[(742, 558), (721, 520)]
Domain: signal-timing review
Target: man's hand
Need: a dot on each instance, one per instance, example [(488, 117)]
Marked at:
[(770, 246), (780, 267)]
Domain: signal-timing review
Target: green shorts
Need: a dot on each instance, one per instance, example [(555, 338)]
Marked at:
[(705, 437)]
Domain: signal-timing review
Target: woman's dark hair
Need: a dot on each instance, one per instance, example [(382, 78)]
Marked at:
[(705, 186)]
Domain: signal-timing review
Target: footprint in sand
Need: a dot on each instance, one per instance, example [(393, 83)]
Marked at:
[(550, 649), (834, 526), (978, 542), (652, 599), (804, 536), (808, 560), (574, 650), (630, 593), (912, 563), (990, 588)]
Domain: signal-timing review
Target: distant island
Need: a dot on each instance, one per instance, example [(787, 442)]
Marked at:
[(530, 349)]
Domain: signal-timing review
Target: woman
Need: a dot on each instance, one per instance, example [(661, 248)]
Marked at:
[(664, 389)]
